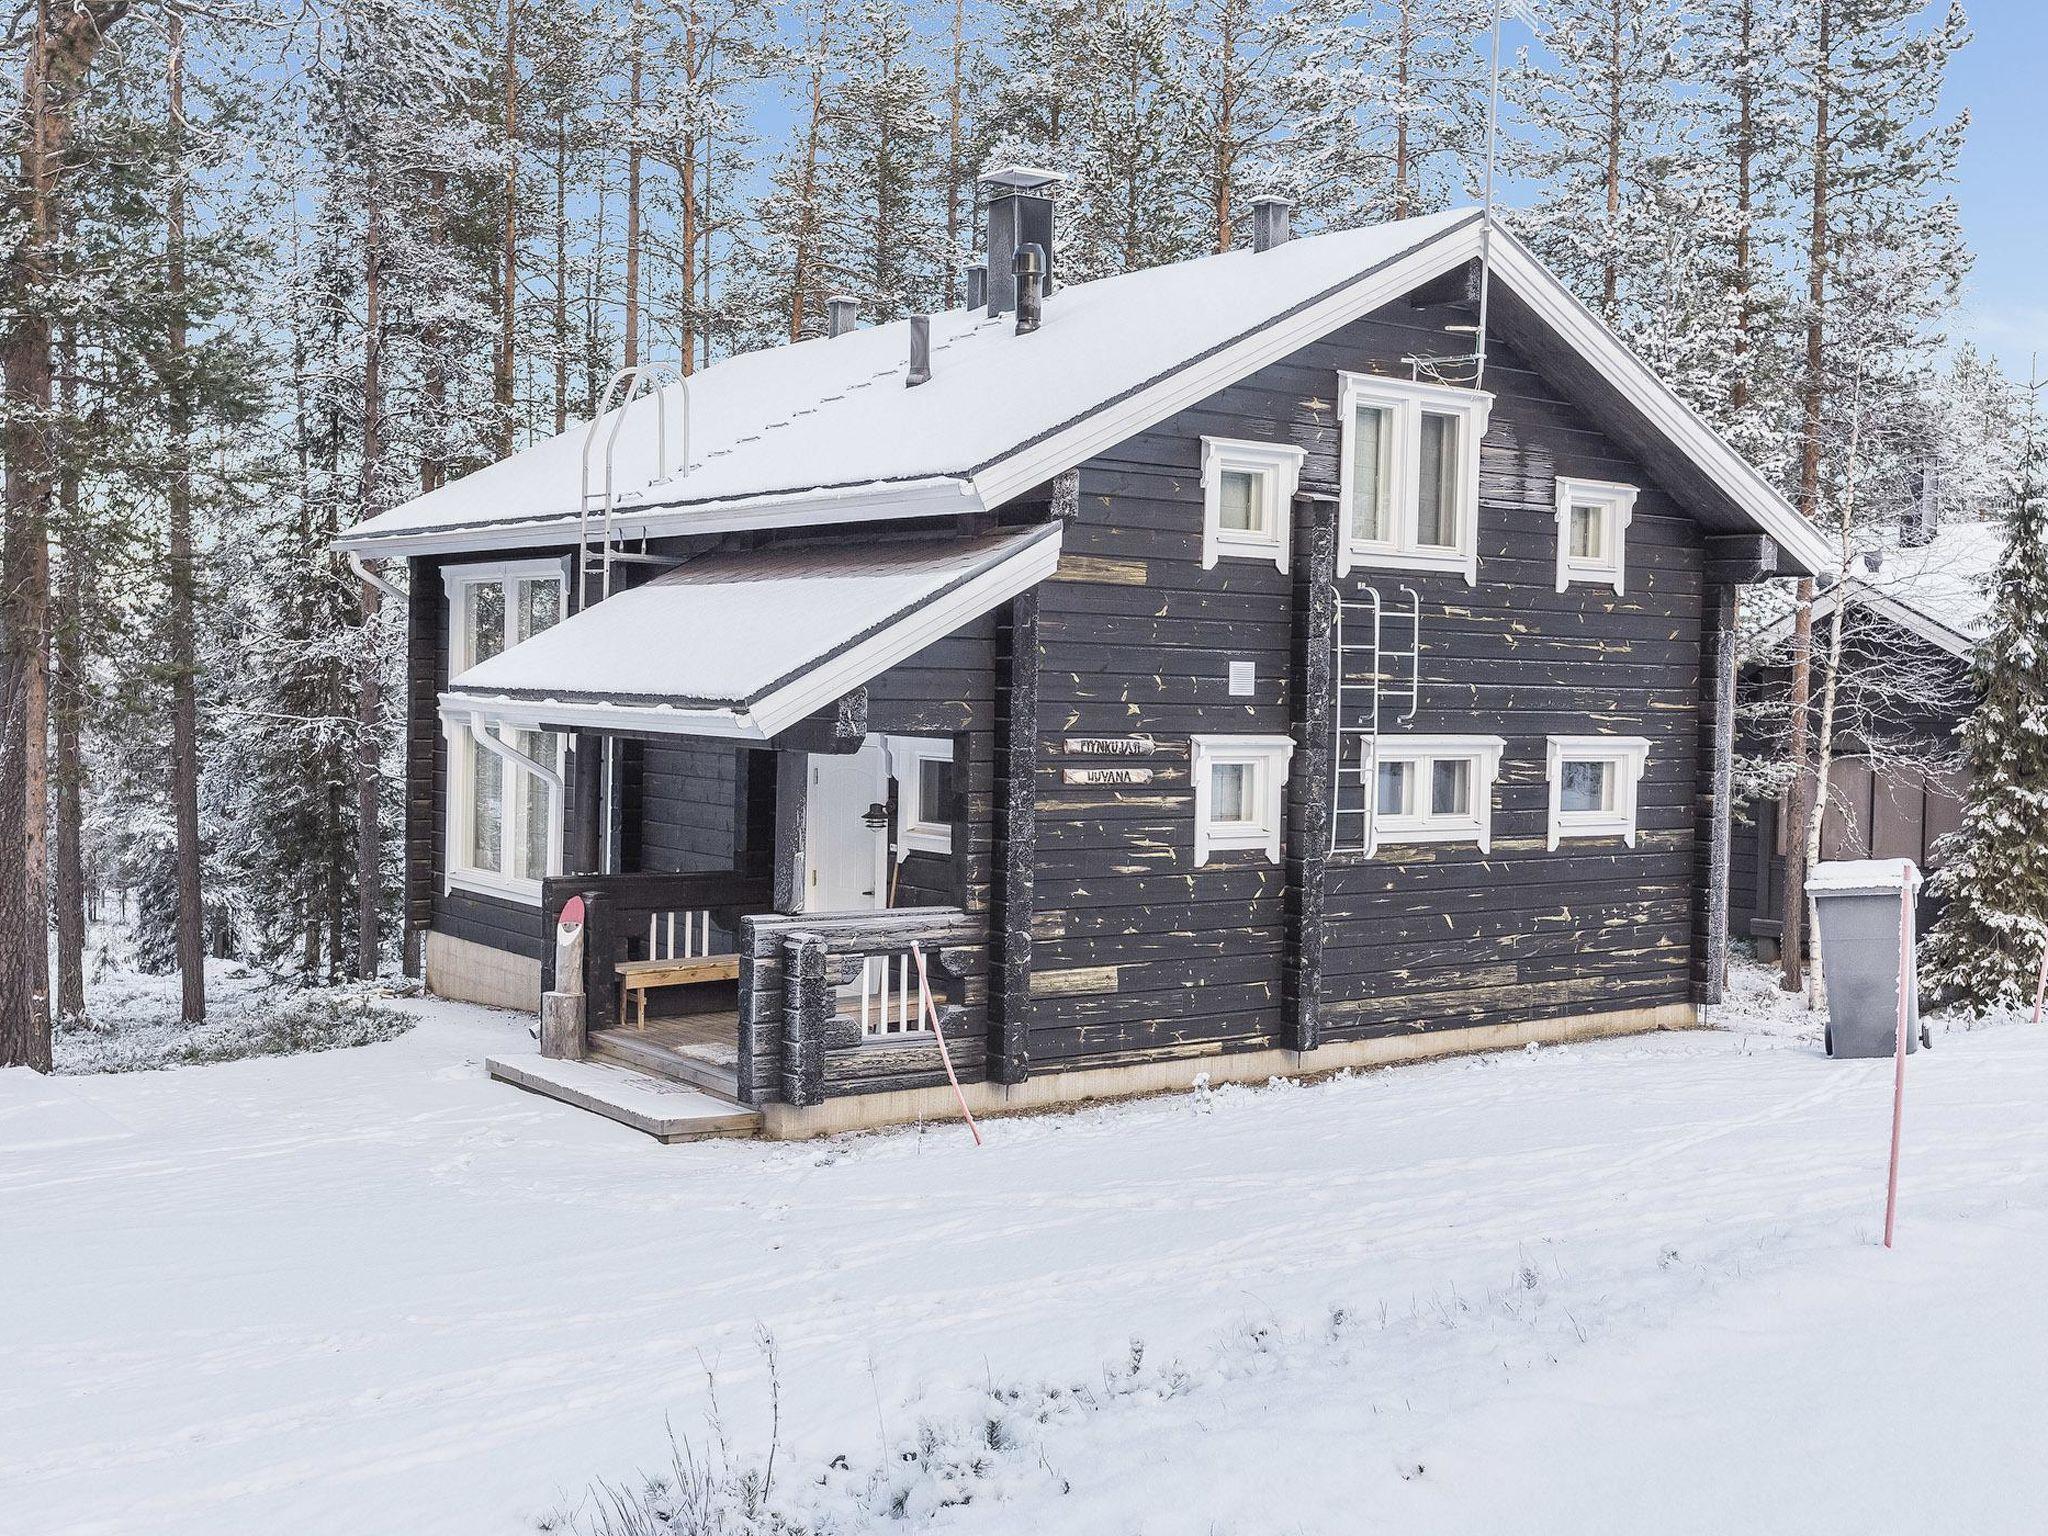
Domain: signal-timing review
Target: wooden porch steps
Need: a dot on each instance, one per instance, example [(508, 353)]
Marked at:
[(668, 1111), (669, 1052)]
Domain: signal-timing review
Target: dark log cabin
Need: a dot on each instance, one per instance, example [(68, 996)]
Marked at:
[(1230, 668)]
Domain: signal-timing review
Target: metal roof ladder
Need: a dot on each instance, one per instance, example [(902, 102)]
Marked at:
[(627, 387), (1369, 684)]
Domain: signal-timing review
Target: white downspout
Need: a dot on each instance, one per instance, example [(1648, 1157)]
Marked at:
[(387, 587), (481, 730)]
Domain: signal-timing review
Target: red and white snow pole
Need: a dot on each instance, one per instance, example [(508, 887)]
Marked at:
[(1891, 1187)]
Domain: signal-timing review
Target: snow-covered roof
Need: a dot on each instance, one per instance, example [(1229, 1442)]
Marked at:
[(826, 431), (745, 643), (1939, 590)]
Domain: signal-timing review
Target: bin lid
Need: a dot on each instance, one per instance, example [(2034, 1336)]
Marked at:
[(1861, 877)]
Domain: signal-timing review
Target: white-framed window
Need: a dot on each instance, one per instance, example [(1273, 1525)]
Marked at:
[(1435, 789), (1247, 499), (1240, 792), (922, 767), (1593, 783), (504, 824), (1592, 531), (1409, 476)]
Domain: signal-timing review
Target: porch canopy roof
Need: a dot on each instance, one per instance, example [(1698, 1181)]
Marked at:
[(745, 643)]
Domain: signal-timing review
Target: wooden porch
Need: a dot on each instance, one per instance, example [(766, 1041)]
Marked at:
[(770, 1006)]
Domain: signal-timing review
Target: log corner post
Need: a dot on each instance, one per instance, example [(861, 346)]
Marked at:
[(1016, 841), (1715, 794), (806, 1000), (1308, 782)]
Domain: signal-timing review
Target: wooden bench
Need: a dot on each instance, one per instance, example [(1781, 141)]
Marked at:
[(637, 978)]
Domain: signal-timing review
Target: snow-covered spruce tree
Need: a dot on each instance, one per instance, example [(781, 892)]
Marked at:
[(1988, 944), (1101, 91), (1868, 181), (881, 206), (1419, 77)]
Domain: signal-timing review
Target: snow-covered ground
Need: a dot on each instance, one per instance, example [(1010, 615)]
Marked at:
[(1631, 1287)]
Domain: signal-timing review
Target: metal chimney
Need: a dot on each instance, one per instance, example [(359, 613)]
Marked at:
[(920, 351), (841, 311), (1269, 222), (1029, 265), (1019, 214), (977, 285)]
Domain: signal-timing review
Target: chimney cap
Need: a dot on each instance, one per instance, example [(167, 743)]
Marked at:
[(1021, 178), (1273, 197)]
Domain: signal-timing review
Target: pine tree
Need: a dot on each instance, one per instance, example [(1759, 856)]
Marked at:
[(1989, 942), (1421, 85)]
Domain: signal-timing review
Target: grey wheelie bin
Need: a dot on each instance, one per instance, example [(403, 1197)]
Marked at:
[(1856, 902)]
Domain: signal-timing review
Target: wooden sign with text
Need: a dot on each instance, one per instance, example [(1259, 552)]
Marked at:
[(1108, 775), (1110, 746)]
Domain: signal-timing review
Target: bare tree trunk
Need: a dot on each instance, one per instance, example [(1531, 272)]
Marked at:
[(1223, 166), (434, 366), (1745, 203), (1403, 59), (561, 309), (805, 256), (633, 195), (369, 838), (686, 176), (1610, 266), (508, 318), (955, 158), (180, 580), (60, 51), (67, 711), (1813, 401)]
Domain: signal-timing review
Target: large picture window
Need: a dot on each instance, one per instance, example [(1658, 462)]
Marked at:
[(1410, 475), (504, 823)]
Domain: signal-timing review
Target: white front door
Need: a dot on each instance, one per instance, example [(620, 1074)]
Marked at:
[(845, 857)]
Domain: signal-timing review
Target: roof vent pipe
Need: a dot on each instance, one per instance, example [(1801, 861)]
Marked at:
[(840, 314), (1019, 214), (1269, 222), (1029, 268), (920, 351), (977, 285)]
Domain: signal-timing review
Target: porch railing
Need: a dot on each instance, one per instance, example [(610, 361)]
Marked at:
[(647, 917), (829, 1002)]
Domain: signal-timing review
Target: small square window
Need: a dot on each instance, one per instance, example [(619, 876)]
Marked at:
[(1593, 783), (1433, 789), (1592, 525), (1450, 791), (1240, 784), (922, 767), (1247, 499)]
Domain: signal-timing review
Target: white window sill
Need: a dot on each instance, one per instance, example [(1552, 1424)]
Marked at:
[(1388, 831), (1594, 828), (926, 840), (525, 892), (1450, 561)]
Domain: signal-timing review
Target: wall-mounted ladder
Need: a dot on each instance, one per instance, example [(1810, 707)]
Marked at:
[(628, 386), (1368, 683)]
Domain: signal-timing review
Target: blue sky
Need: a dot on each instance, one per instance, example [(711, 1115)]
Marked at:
[(2004, 181)]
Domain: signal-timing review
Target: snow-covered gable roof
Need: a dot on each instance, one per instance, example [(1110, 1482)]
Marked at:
[(1940, 591), (826, 431)]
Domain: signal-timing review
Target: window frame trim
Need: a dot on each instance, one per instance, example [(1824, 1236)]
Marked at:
[(1271, 758), (1278, 466), (1617, 501), (1484, 752), (1408, 400), (1629, 754), (459, 811), (907, 755)]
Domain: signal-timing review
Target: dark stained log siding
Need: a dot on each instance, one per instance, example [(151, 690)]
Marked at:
[(1138, 637)]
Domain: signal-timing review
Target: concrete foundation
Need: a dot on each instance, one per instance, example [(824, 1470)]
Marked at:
[(475, 973), (871, 1111)]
